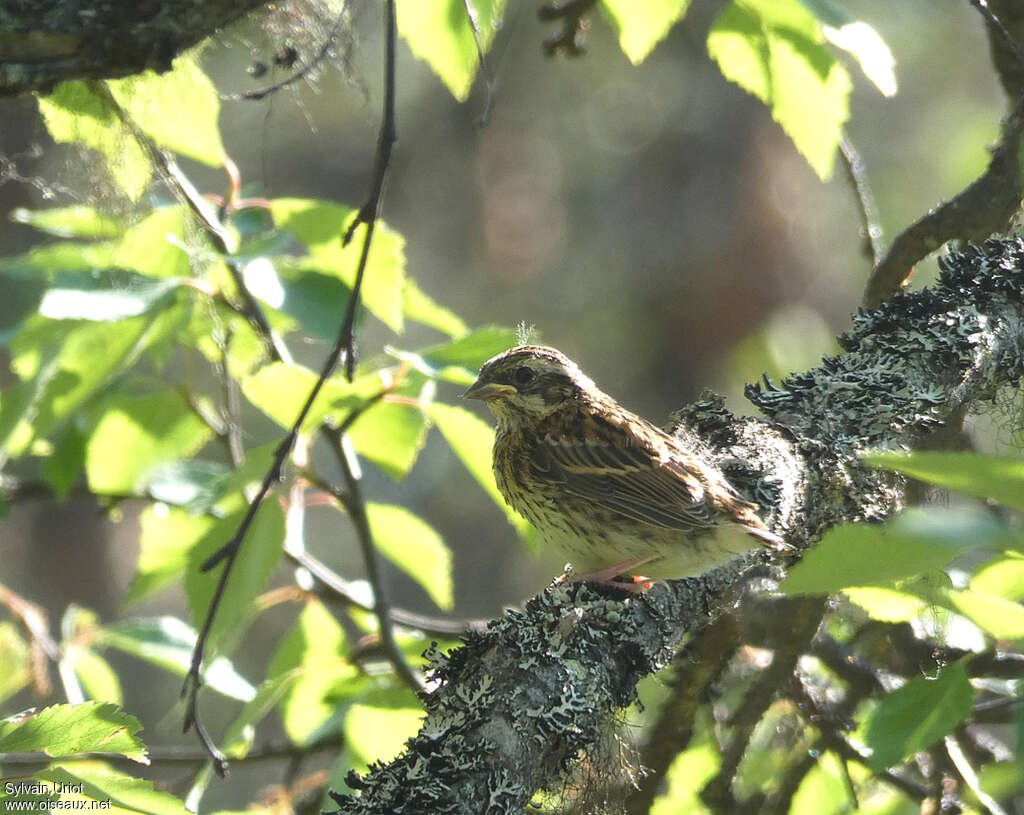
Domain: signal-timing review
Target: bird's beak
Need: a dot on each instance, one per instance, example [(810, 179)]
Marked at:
[(489, 391)]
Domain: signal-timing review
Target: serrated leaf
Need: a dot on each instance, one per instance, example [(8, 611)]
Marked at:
[(859, 39), (459, 360), (75, 114), (642, 24), (390, 435), (472, 441), (70, 222), (882, 554), (414, 547), (917, 715), (135, 435), (66, 730), (260, 554), (115, 789), (774, 49), (421, 308), (379, 733), (314, 650), (887, 605), (168, 643), (110, 296), (320, 226), (440, 33), (177, 109), (981, 476)]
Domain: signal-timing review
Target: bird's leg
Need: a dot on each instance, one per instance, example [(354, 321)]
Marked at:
[(606, 576)]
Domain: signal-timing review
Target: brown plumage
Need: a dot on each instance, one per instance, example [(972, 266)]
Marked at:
[(610, 490)]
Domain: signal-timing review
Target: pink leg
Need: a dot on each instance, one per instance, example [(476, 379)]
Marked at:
[(606, 576)]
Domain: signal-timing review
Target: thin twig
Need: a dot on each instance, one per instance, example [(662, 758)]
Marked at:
[(858, 176), (356, 508), (997, 24), (370, 211), (485, 69)]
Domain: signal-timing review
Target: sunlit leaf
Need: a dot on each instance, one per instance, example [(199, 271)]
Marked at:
[(161, 105), (137, 434), (888, 605), (421, 308), (440, 33), (1002, 578), (881, 554), (859, 39), (280, 390), (775, 50), (75, 114), (642, 24), (320, 226), (970, 473), (239, 735), (459, 360), (379, 733), (114, 295), (169, 642), (77, 221), (14, 656), (1002, 618), (390, 435), (315, 650), (413, 545), (66, 730), (917, 715), (260, 554)]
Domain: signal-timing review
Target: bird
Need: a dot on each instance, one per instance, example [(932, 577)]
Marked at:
[(606, 488)]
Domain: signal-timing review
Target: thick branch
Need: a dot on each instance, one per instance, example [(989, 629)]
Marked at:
[(513, 707)]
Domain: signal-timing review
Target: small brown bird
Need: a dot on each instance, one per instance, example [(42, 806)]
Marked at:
[(610, 490)]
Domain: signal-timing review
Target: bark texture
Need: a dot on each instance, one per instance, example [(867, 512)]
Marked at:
[(517, 705), (44, 42)]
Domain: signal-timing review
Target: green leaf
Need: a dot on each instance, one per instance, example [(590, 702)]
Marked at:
[(981, 476), (260, 554), (320, 226), (690, 770), (195, 484), (70, 222), (440, 33), (1003, 578), (917, 715), (917, 541), (472, 441), (415, 548), (238, 737), (168, 643), (1002, 618), (66, 730), (113, 295), (390, 435), (642, 24), (177, 109), (63, 465), (97, 677), (887, 605), (14, 656), (314, 649), (135, 435), (459, 360), (166, 536), (775, 50), (115, 789), (379, 733), (74, 114), (280, 390), (421, 308), (859, 39)]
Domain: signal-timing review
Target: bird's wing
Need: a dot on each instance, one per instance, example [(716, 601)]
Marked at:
[(631, 480)]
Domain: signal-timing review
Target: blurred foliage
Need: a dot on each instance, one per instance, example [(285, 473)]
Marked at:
[(135, 335)]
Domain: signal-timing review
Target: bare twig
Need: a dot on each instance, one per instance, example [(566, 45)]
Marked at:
[(858, 176), (355, 506), (370, 210), (997, 25)]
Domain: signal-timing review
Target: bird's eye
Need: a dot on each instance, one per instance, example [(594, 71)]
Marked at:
[(523, 376)]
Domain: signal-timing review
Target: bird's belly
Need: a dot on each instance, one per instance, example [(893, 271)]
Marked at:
[(601, 539)]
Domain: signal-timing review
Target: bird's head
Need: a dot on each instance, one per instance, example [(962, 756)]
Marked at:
[(529, 382)]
